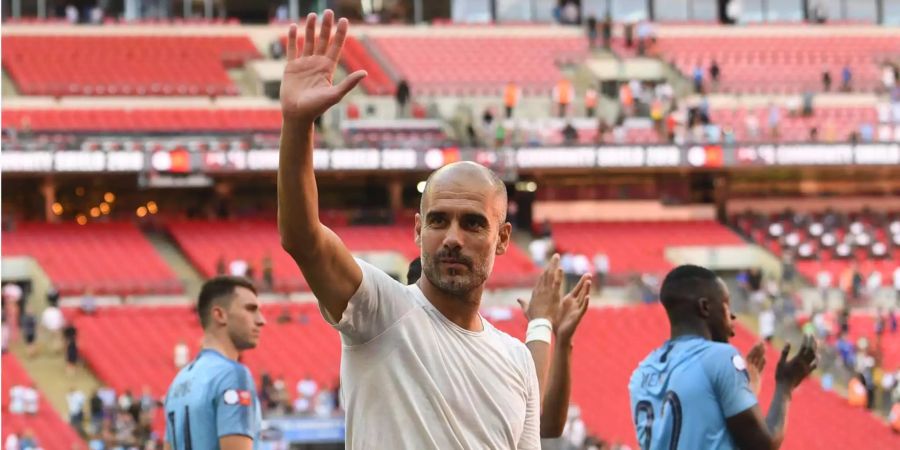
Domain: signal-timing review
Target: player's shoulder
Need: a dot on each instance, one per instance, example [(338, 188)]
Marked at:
[(515, 347), (718, 354), (213, 366)]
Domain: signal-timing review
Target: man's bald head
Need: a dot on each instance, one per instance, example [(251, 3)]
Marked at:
[(467, 176)]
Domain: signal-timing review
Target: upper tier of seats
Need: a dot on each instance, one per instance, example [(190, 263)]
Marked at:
[(128, 120), (638, 246), (607, 349), (769, 63), (355, 57), (833, 124), (50, 430), (469, 65), (205, 242), (125, 65), (831, 245), (109, 258)]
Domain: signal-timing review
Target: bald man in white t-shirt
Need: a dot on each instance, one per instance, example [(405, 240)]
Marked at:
[(420, 368)]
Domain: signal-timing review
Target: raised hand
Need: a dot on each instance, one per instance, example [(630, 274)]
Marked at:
[(544, 301), (572, 308), (790, 373), (756, 361), (307, 90)]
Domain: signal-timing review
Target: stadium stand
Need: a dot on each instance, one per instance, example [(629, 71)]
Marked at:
[(769, 62), (638, 247), (127, 65), (607, 351), (833, 124), (138, 120), (356, 56), (50, 430), (871, 242), (445, 66), (108, 258), (205, 242)]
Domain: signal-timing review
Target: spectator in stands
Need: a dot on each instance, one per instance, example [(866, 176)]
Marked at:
[(325, 403), (539, 249), (28, 441), (182, 354), (12, 442), (562, 95), (125, 400), (31, 399), (75, 401), (238, 268), (888, 77), (774, 120), (96, 411), (276, 49), (570, 134), (873, 283), (645, 36), (714, 73), (896, 277), (402, 95), (601, 268), (591, 24), (823, 282), (698, 78), (70, 335), (511, 95), (813, 134), (766, 320), (846, 78), (72, 14), (268, 276), (629, 34), (606, 30), (88, 302), (826, 80), (29, 332), (590, 101), (53, 321)]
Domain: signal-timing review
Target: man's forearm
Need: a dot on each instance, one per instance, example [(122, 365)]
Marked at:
[(776, 419), (556, 401), (540, 353), (298, 205)]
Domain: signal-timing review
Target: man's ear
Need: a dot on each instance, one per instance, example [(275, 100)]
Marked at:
[(703, 307), (218, 314), (504, 236), (418, 230)]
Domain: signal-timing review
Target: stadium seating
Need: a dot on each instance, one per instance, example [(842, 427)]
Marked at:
[(822, 255), (478, 65), (638, 247), (607, 349), (772, 63), (127, 65), (48, 428), (832, 124), (142, 120), (205, 242), (109, 258)]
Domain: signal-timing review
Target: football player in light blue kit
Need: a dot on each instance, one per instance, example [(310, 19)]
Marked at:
[(212, 403), (694, 392)]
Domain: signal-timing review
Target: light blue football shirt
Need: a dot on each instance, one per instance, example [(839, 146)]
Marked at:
[(682, 393), (210, 398)]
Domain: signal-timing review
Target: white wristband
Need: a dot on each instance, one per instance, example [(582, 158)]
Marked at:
[(539, 330)]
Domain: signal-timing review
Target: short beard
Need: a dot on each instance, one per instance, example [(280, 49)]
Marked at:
[(459, 286)]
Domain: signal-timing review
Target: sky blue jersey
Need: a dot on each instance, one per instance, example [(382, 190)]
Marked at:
[(682, 393), (210, 398)]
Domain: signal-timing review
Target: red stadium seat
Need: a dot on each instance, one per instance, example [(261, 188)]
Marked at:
[(50, 430), (97, 65), (110, 258), (146, 120)]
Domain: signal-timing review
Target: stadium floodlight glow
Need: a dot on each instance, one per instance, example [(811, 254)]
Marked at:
[(141, 211), (95, 212), (104, 208), (81, 219), (109, 197), (151, 207), (531, 186), (421, 187), (57, 208)]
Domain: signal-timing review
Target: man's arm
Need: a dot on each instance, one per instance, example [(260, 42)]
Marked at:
[(307, 92), (556, 397), (543, 305), (235, 442), (748, 429)]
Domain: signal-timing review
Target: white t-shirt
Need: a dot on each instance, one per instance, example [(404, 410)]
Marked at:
[(53, 319), (30, 395), (238, 268), (412, 379), (766, 323), (75, 401), (823, 279)]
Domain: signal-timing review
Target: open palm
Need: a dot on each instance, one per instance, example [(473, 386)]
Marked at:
[(307, 89)]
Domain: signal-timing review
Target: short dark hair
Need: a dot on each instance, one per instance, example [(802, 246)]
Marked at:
[(219, 290), (415, 270), (685, 284)]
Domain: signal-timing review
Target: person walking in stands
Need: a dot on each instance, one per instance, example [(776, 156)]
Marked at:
[(511, 95), (562, 95), (590, 101), (402, 96)]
